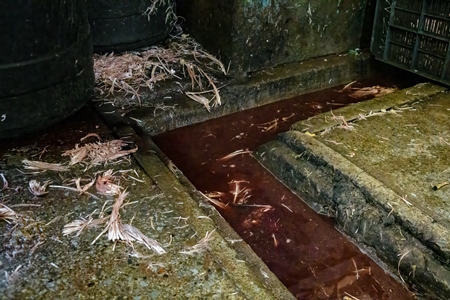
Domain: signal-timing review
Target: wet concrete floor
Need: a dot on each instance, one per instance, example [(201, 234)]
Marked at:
[(301, 247), (38, 262)]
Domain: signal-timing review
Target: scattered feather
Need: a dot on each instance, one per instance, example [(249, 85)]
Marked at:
[(235, 153), (128, 73), (215, 202), (117, 231), (93, 154), (134, 234), (43, 166), (105, 184), (37, 189), (7, 214), (201, 246), (5, 182), (83, 189), (79, 225), (241, 194), (90, 135)]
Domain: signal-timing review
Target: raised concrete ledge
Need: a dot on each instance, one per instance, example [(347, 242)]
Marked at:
[(255, 90), (419, 224), (333, 186)]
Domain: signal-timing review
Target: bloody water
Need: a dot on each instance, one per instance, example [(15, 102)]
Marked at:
[(303, 249)]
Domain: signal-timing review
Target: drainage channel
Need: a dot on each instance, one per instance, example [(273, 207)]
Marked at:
[(309, 256)]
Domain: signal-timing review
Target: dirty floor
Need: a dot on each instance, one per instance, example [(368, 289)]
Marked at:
[(40, 262)]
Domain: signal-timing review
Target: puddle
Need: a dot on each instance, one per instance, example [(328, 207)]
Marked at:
[(310, 257)]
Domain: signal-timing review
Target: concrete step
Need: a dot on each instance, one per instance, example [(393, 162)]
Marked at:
[(379, 168)]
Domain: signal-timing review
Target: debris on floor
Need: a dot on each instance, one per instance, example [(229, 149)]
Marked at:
[(95, 225), (132, 76)]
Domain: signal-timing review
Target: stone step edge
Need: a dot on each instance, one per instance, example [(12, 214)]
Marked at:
[(417, 249)]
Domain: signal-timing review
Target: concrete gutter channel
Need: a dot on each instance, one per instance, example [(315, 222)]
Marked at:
[(41, 263), (252, 278), (372, 166), (245, 276), (229, 269), (245, 269)]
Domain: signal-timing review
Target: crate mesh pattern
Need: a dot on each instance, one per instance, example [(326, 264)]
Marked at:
[(414, 35)]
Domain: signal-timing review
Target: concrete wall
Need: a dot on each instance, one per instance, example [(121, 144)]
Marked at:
[(259, 34)]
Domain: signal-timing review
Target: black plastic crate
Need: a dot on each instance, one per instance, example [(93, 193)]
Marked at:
[(414, 35)]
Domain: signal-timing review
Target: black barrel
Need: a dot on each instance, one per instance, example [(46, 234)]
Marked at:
[(120, 25), (46, 67)]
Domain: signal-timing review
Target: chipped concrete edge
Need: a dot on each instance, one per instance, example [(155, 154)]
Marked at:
[(404, 238), (352, 112), (249, 273)]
